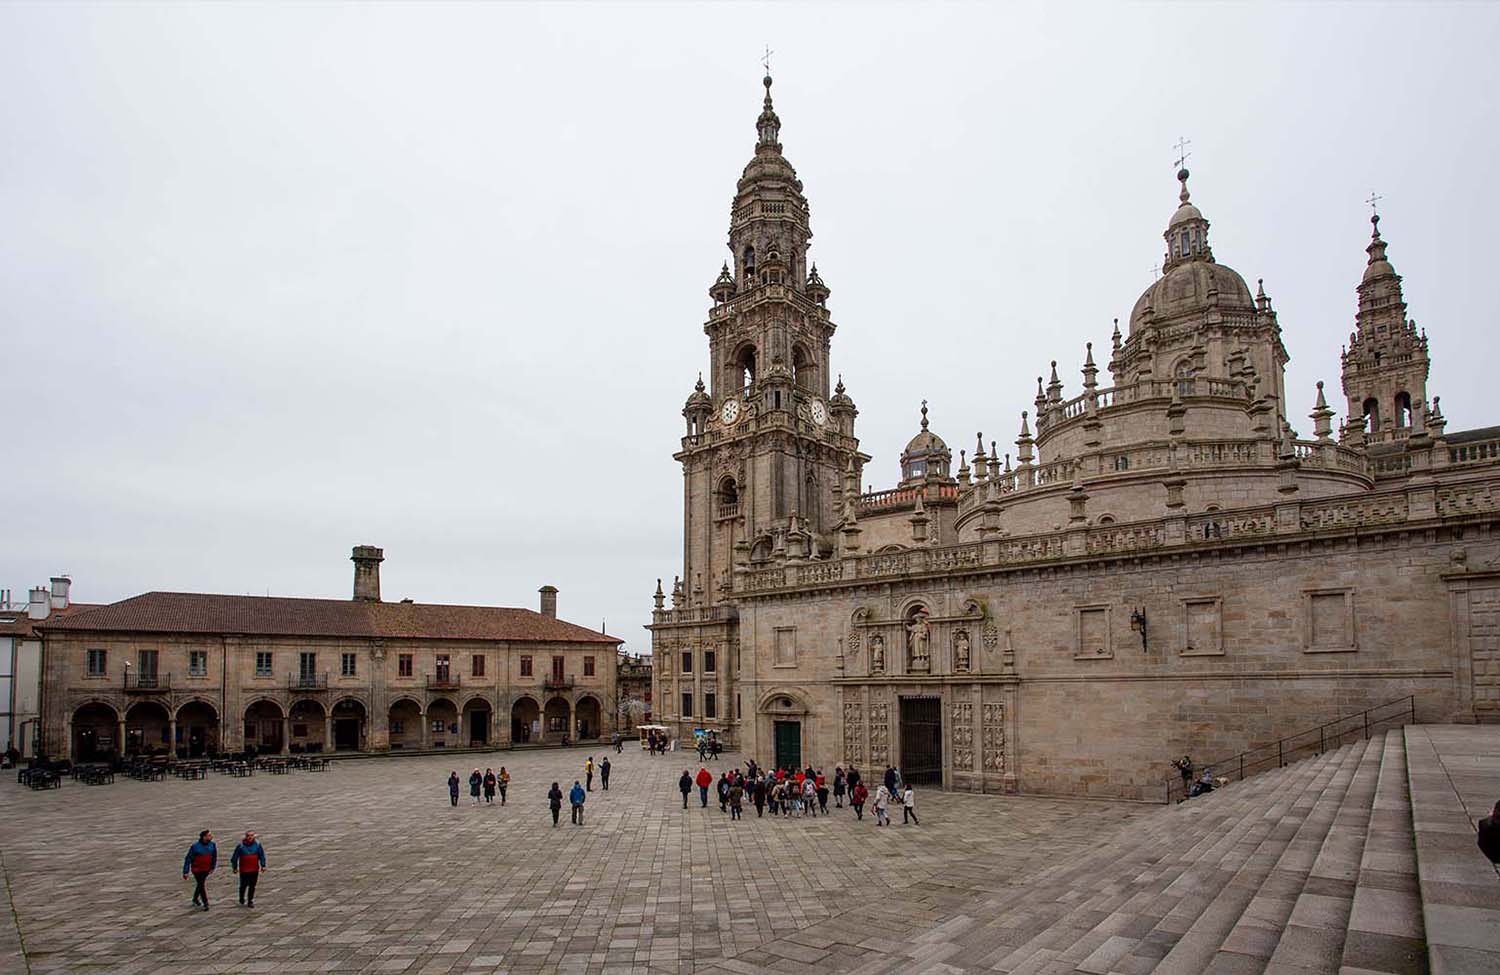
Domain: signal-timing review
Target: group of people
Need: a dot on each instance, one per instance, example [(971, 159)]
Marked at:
[(1191, 789), (799, 792), (489, 783), (656, 743), (248, 861)]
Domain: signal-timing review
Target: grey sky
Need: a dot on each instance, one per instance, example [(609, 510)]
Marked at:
[(277, 280)]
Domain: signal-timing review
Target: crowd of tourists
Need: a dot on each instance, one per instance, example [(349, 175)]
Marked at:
[(785, 792)]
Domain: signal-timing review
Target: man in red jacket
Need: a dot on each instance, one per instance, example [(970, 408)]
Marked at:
[(248, 860), (200, 861), (704, 780)]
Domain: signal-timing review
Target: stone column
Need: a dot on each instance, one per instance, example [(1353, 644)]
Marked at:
[(67, 747), (328, 732), (423, 720), (172, 737), (286, 734), (572, 732), (119, 742)]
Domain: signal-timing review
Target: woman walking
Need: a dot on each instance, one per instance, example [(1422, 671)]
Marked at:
[(554, 802), (489, 786), (453, 787), (882, 806), (857, 799), (475, 781), (839, 787), (502, 781)]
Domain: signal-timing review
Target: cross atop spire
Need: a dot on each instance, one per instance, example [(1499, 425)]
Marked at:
[(766, 59), (1182, 153), (1374, 199), (924, 414)]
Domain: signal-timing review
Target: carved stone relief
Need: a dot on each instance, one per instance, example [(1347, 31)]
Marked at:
[(961, 651), (880, 734), (963, 736), (854, 745), (994, 738), (877, 654)]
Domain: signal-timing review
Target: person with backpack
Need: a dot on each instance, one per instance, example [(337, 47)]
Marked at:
[(576, 798), (554, 802), (248, 860), (759, 795), (736, 799), (202, 857)]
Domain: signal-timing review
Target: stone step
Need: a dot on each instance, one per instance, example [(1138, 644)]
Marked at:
[(1385, 931), (1314, 934), (1128, 875), (1057, 913), (1453, 775), (1260, 920)]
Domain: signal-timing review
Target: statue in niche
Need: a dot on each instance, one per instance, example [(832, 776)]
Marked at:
[(877, 654), (961, 651), (918, 638)]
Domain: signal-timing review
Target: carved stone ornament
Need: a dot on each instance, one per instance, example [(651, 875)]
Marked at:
[(961, 651), (994, 738), (877, 654), (963, 736)]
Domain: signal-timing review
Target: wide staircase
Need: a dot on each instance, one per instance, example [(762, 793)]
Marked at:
[(1359, 860)]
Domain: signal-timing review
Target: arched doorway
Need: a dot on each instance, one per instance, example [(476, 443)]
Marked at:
[(555, 720), (586, 714), (442, 724), (787, 712), (309, 727), (94, 729), (406, 724), (146, 729), (348, 725), (263, 727), (525, 721), (197, 729), (477, 722)]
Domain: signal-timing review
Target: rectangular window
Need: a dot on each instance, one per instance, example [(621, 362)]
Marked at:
[(710, 662), (687, 704), (97, 660), (146, 664), (444, 670), (1091, 631), (557, 669), (687, 661), (710, 705), (476, 665), (307, 665), (1330, 621), (262, 663), (588, 666), (403, 665), (739, 711), (786, 646), (198, 663), (348, 665), (1202, 625), (526, 666)]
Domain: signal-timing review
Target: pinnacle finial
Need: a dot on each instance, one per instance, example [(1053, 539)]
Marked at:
[(979, 445), (1322, 404), (1088, 359), (924, 414), (699, 386)]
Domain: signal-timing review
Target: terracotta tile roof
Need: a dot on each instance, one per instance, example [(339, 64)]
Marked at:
[(189, 612), (24, 625)]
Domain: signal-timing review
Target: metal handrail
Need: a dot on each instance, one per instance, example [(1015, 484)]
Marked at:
[(1283, 750)]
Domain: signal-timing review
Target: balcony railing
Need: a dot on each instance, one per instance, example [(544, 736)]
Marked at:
[(308, 682), (442, 682), (555, 683), (148, 683)]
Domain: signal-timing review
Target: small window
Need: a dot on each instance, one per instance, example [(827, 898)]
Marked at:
[(348, 664), (588, 666), (1092, 633), (739, 711), (476, 665), (526, 666), (710, 663), (262, 663), (97, 660), (710, 705), (403, 665), (1183, 246), (687, 661), (437, 726), (687, 704), (197, 663)]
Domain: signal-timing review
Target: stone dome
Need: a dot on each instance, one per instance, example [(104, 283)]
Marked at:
[(1184, 291), (926, 455), (1185, 213), (925, 442)]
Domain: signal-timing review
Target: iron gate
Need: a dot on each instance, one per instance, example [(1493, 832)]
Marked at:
[(922, 740)]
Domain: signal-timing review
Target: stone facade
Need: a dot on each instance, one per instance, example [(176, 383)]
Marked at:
[(1162, 566), (633, 681), (194, 674)]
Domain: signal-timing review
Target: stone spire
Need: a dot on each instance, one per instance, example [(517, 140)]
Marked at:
[(1322, 417), (1187, 231), (1090, 371), (768, 125)]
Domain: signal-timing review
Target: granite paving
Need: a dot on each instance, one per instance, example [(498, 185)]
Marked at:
[(371, 870)]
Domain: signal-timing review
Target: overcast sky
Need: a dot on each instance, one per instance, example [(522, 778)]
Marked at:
[(279, 280)]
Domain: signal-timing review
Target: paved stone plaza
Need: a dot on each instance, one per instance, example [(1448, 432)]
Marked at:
[(371, 870)]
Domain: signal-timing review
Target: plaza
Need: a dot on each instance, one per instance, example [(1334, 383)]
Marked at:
[(370, 869)]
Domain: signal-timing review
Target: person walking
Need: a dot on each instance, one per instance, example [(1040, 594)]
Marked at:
[(723, 790), (704, 781), (852, 779), (453, 787), (202, 857), (840, 784), (889, 780), (575, 799), (809, 796), (502, 781), (685, 786), (588, 772), (489, 786), (909, 807), (554, 802), (248, 860), (616, 741), (604, 773), (1489, 835), (857, 799), (822, 784), (475, 781), (736, 799), (758, 793), (882, 805)]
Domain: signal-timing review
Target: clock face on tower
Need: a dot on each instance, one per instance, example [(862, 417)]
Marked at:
[(730, 411), (819, 413)]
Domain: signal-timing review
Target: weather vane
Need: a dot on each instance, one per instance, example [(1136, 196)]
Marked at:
[(1374, 199), (766, 59), (1182, 153)]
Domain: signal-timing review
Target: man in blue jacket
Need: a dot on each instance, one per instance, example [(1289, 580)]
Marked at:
[(200, 861), (576, 797), (248, 860)]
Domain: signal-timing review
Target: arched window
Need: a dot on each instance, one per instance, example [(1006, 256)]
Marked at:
[(1106, 520), (804, 369), (1182, 374), (729, 492), (1372, 413), (1182, 247), (1402, 416), (745, 367), (747, 262)]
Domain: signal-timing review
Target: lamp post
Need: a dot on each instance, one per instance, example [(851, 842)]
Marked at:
[(1138, 625)]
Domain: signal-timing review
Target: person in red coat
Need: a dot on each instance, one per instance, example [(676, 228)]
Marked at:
[(704, 780)]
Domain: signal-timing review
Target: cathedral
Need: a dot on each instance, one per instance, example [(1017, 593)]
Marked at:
[(1159, 565)]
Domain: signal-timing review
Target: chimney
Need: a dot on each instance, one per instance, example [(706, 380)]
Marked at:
[(40, 606), (367, 559), (549, 601), (60, 587)]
